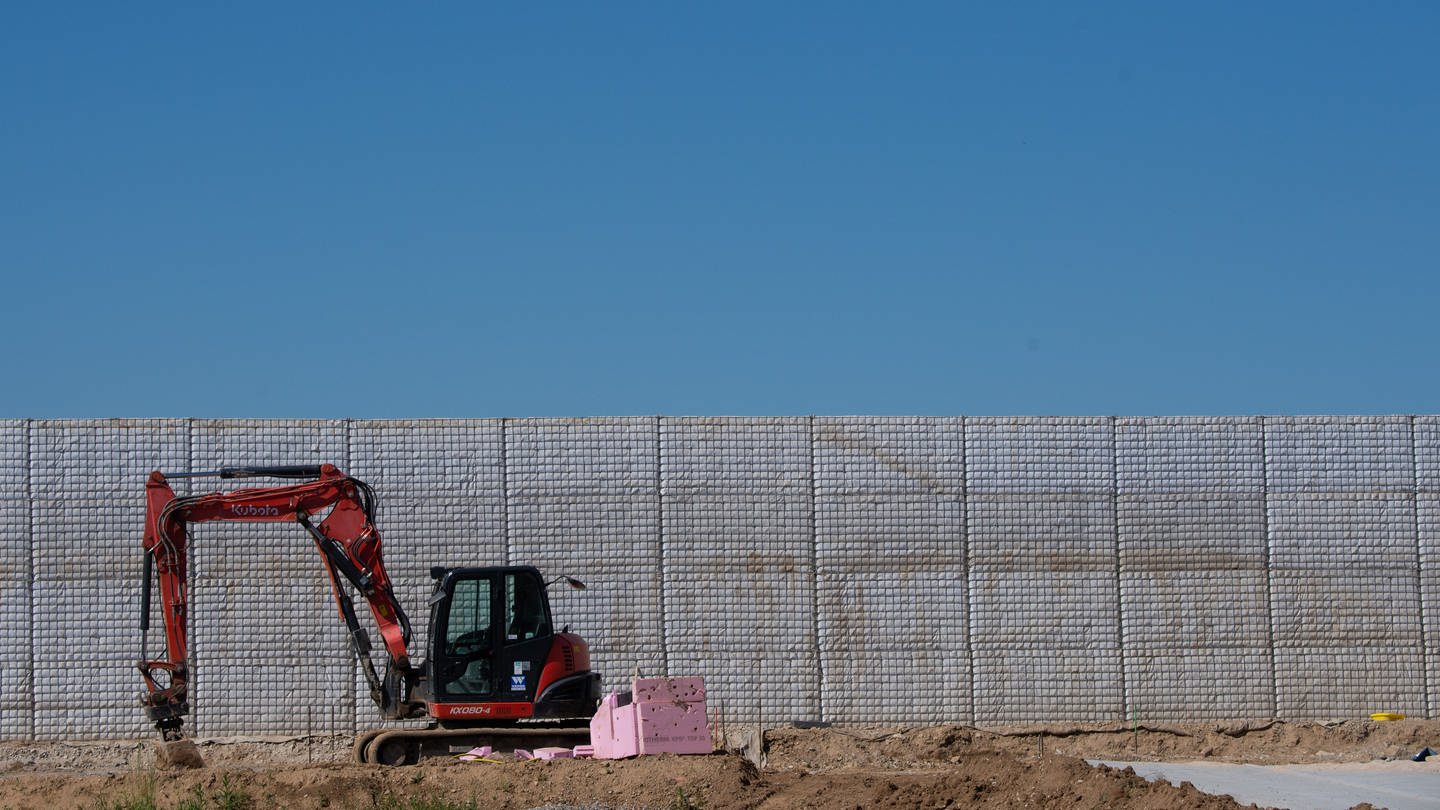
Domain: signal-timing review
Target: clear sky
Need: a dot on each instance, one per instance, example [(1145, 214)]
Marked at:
[(565, 209)]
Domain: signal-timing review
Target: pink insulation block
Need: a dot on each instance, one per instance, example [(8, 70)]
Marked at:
[(551, 752), (657, 716)]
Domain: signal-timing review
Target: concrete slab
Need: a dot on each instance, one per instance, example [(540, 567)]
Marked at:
[(1398, 785)]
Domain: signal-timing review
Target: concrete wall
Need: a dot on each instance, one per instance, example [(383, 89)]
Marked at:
[(964, 570)]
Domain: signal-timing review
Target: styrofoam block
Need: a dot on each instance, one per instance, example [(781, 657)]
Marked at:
[(1170, 685), (910, 455), (889, 532), (582, 456), (1339, 454), (880, 682), (1037, 683), (1221, 454), (911, 609), (1350, 605), (424, 459), (1039, 455), (730, 455), (1310, 529), (1348, 681), (1195, 610)]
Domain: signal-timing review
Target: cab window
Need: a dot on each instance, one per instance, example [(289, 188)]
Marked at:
[(525, 613)]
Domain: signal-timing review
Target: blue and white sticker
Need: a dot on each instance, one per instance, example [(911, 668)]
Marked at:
[(517, 683)]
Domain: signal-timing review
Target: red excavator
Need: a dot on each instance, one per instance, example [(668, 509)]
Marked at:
[(496, 672)]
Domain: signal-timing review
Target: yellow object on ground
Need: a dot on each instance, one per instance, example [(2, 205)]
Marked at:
[(1387, 716)]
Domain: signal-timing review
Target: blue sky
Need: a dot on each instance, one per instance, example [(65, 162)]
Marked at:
[(454, 210)]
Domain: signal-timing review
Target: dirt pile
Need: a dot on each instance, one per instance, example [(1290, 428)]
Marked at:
[(930, 767)]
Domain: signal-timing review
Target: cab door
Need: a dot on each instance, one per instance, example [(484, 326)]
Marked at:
[(525, 635), (464, 641)]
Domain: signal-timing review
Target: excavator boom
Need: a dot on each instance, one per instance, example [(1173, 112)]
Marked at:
[(349, 546)]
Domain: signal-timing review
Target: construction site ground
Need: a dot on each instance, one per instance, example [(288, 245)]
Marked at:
[(833, 767)]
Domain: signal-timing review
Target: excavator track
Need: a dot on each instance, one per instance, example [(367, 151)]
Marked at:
[(407, 746)]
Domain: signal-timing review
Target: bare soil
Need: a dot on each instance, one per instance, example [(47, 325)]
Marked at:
[(851, 767)]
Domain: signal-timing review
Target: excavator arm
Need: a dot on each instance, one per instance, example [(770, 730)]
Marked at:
[(349, 546)]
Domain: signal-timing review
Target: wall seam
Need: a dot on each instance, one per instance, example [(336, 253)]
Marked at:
[(660, 546), (966, 561), (1125, 707), (196, 680), (1419, 570), (815, 580), (1269, 570), (352, 695), (29, 436), (969, 569), (505, 488)]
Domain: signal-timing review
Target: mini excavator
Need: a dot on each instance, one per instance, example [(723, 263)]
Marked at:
[(496, 672)]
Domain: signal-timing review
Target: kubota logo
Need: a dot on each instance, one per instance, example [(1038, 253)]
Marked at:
[(245, 510)]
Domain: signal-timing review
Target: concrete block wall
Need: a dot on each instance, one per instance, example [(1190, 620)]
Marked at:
[(858, 569)]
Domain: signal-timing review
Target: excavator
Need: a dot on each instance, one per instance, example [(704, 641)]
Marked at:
[(495, 670)]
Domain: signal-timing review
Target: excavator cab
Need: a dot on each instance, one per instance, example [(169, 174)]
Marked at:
[(494, 653)]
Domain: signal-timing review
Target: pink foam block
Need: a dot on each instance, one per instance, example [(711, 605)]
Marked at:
[(553, 753), (583, 751), (521, 753), (477, 753), (658, 716)]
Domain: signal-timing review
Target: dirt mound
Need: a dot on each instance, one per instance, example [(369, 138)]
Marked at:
[(930, 767)]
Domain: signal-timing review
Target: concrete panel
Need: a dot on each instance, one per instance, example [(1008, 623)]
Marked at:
[(884, 456), (87, 480), (1429, 582), (440, 486), (612, 543), (1189, 455), (1339, 454), (413, 460), (1037, 683), (15, 600), (889, 532), (266, 638), (549, 457), (1427, 452), (86, 642), (1347, 681), (897, 683), (14, 459), (1220, 683), (1040, 455), (732, 455)]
